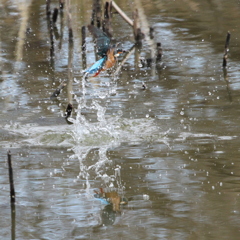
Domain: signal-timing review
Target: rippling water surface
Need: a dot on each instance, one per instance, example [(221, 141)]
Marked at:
[(171, 150)]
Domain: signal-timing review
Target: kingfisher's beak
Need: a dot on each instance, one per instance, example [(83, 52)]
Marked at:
[(119, 53)]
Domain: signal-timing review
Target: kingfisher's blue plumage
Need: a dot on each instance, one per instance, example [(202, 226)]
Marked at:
[(96, 66), (104, 49)]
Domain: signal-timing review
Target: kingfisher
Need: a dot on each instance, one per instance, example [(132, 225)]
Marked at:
[(105, 50)]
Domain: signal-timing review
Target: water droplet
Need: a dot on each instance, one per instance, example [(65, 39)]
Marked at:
[(145, 197)]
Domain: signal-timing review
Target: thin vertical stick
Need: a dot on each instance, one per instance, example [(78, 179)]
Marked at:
[(48, 11), (83, 30), (225, 56), (12, 190), (84, 60), (50, 29), (12, 195), (93, 13), (70, 31), (61, 28), (159, 52), (107, 21), (98, 13), (50, 26), (68, 111), (138, 35), (226, 50), (145, 28), (70, 73)]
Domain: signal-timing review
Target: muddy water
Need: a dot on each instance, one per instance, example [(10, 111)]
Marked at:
[(172, 149)]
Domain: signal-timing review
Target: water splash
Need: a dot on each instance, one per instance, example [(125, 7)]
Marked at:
[(99, 135)]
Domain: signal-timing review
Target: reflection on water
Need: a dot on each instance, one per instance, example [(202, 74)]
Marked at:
[(164, 158)]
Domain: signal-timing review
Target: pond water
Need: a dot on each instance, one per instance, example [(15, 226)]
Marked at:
[(170, 150)]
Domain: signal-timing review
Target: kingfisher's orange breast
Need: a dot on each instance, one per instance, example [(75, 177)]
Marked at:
[(111, 60)]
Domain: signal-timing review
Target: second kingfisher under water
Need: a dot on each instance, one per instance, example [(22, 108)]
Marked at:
[(107, 51)]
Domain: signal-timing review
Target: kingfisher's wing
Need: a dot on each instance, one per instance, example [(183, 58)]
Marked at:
[(102, 40), (97, 66)]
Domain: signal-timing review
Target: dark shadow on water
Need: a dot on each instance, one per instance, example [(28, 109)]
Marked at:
[(108, 215), (225, 75)]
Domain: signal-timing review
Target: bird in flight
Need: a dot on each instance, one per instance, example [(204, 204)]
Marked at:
[(105, 50)]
